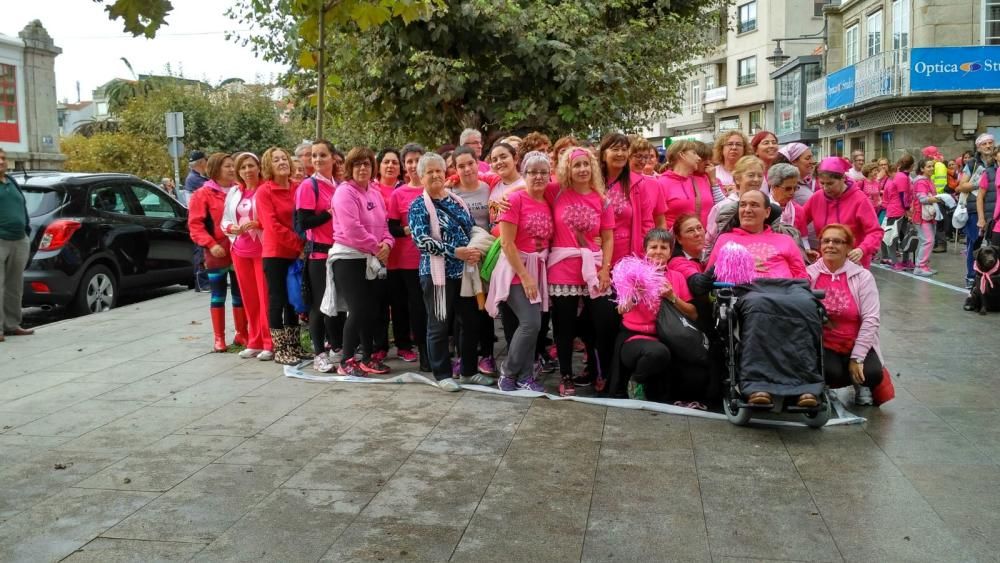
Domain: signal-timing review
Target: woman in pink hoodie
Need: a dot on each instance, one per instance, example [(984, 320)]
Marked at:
[(840, 201), (851, 353), (636, 200), (896, 197), (683, 190), (361, 247)]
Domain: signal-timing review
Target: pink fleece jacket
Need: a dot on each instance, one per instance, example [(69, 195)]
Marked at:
[(360, 218), (635, 216), (861, 283), (896, 195), (852, 208), (775, 254), (686, 194)]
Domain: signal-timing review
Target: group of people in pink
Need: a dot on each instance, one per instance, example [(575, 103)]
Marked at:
[(434, 248)]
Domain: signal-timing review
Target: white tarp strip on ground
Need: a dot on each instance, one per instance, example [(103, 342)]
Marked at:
[(843, 416)]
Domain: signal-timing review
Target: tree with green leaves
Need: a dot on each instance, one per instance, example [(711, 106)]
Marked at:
[(582, 66)]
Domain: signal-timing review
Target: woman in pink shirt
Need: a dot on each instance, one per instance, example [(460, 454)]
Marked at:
[(239, 222), (312, 211), (579, 266), (360, 251), (654, 375), (683, 190), (519, 280), (636, 200), (924, 216), (409, 319), (775, 255), (851, 353)]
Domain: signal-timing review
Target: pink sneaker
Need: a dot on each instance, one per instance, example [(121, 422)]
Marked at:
[(406, 355)]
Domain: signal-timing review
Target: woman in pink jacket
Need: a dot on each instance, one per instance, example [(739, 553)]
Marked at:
[(896, 197), (924, 216), (850, 340), (683, 190), (840, 201), (361, 235), (636, 200)]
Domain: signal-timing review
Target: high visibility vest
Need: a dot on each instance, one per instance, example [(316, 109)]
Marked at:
[(940, 177)]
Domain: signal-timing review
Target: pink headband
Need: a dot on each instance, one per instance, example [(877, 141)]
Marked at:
[(793, 151), (835, 165), (577, 153)]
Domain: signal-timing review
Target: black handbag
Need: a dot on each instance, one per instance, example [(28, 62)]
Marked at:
[(682, 338)]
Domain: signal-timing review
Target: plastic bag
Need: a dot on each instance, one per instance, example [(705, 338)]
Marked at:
[(293, 282)]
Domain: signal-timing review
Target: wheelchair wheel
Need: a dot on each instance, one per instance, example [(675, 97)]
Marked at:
[(821, 416), (739, 416)]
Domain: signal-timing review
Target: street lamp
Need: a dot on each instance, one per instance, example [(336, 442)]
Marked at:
[(778, 57)]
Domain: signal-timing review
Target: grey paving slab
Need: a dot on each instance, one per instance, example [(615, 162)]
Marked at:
[(56, 398), (139, 429), (106, 550), (393, 540), (58, 527), (204, 506), (440, 488), (82, 418), (244, 416), (128, 371), (155, 387), (190, 446), (648, 482), (647, 537), (23, 385), (211, 393), (12, 420), (354, 465), (144, 474), (289, 525), (270, 450), (48, 473)]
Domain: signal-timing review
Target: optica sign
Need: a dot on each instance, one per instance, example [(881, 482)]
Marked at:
[(840, 88), (935, 69)]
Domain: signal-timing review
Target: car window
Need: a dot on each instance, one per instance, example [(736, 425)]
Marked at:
[(41, 201), (108, 199), (154, 203)]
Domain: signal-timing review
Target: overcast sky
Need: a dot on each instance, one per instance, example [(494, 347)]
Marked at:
[(193, 43)]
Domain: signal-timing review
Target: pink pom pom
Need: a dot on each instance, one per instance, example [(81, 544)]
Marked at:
[(735, 265), (638, 281), (580, 218)]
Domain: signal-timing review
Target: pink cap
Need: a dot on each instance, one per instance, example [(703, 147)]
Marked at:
[(931, 152), (578, 153), (835, 165)]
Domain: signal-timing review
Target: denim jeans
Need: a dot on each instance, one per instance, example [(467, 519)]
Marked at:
[(971, 238)]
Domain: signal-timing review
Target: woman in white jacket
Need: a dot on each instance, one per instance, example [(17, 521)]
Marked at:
[(239, 222)]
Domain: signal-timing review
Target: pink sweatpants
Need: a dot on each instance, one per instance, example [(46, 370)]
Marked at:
[(253, 287)]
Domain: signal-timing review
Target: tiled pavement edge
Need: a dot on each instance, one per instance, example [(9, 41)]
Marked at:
[(121, 439)]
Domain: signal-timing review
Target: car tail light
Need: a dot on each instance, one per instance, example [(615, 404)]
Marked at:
[(40, 287), (58, 233)]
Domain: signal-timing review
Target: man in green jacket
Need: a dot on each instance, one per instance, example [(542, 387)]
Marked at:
[(14, 251)]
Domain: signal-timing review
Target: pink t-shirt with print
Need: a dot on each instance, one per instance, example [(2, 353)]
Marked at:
[(534, 223), (572, 211)]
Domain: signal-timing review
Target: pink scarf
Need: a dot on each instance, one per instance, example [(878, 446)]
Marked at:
[(987, 277), (438, 277)]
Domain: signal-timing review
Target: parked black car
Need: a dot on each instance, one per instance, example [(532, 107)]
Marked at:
[(94, 235)]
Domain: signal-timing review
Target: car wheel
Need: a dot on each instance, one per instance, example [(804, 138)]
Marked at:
[(98, 291)]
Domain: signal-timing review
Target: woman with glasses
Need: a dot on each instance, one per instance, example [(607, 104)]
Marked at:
[(360, 251), (730, 146), (850, 340)]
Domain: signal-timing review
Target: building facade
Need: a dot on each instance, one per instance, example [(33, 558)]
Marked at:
[(731, 88), (904, 74), (29, 128)]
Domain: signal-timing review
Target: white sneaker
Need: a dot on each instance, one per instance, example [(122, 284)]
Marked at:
[(477, 379), (322, 363), (449, 384), (863, 396), (265, 356), (248, 353)]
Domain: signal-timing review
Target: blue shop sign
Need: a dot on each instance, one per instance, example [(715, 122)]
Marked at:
[(840, 88), (935, 69)]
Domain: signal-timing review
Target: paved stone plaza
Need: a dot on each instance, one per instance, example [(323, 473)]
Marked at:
[(122, 439)]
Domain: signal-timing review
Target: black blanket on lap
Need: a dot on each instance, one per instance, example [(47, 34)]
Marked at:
[(781, 338)]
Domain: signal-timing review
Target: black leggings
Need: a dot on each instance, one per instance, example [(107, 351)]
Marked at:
[(322, 328), (838, 374), (602, 319), (665, 379), (409, 317), (362, 306), (280, 312)]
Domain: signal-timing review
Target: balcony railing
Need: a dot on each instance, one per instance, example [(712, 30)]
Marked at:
[(746, 25), (715, 94), (883, 75)]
